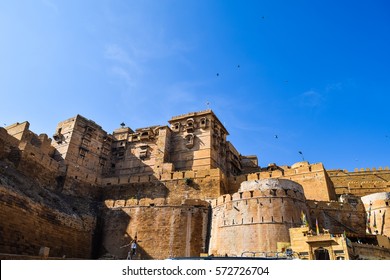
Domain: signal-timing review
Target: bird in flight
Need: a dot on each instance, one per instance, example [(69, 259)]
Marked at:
[(276, 136)]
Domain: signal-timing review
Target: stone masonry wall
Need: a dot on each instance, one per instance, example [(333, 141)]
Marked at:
[(256, 219), (369, 252), (172, 186), (361, 182), (26, 226), (338, 217), (312, 177), (34, 210), (163, 231)]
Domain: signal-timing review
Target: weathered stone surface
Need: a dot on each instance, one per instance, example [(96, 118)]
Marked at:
[(256, 218), (86, 192)]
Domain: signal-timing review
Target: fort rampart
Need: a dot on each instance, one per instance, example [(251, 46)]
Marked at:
[(362, 181), (27, 225), (312, 177), (181, 229), (337, 217), (35, 212), (180, 191), (256, 218), (378, 209)]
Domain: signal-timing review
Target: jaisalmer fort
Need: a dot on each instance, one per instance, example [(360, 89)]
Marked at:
[(182, 190)]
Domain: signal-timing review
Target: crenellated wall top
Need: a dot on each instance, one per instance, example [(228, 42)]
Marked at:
[(271, 183), (375, 197), (335, 205), (343, 172)]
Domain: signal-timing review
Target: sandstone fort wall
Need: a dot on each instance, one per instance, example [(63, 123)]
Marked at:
[(256, 220), (180, 190), (163, 231), (26, 226), (173, 186), (337, 217), (362, 181), (312, 177)]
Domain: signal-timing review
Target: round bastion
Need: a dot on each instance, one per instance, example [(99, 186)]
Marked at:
[(377, 207), (257, 218)]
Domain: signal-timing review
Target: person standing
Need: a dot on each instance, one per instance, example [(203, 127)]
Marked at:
[(133, 249)]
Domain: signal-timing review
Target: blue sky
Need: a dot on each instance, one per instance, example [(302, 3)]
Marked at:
[(314, 73)]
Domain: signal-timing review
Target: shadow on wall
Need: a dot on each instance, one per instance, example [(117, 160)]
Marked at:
[(138, 181), (114, 239), (114, 232), (190, 144)]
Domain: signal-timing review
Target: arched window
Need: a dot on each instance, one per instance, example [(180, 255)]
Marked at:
[(203, 122), (189, 140), (190, 125), (176, 126)]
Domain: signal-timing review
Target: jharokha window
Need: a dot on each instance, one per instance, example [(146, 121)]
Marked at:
[(176, 126), (190, 125), (203, 123), (190, 141)]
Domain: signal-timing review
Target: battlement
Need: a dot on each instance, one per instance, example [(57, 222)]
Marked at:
[(192, 114), (89, 121), (158, 183), (32, 153), (166, 176), (28, 151), (361, 182), (8, 139), (153, 202), (312, 177), (383, 196), (263, 190), (335, 205), (344, 172), (286, 171), (81, 174)]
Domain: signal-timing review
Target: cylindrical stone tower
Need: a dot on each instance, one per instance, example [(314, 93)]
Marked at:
[(378, 212), (257, 217)]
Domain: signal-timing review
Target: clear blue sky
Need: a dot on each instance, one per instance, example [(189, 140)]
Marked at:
[(314, 73)]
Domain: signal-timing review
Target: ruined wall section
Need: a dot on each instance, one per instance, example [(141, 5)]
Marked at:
[(257, 217), (312, 177), (162, 230), (337, 217), (377, 207), (361, 182)]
